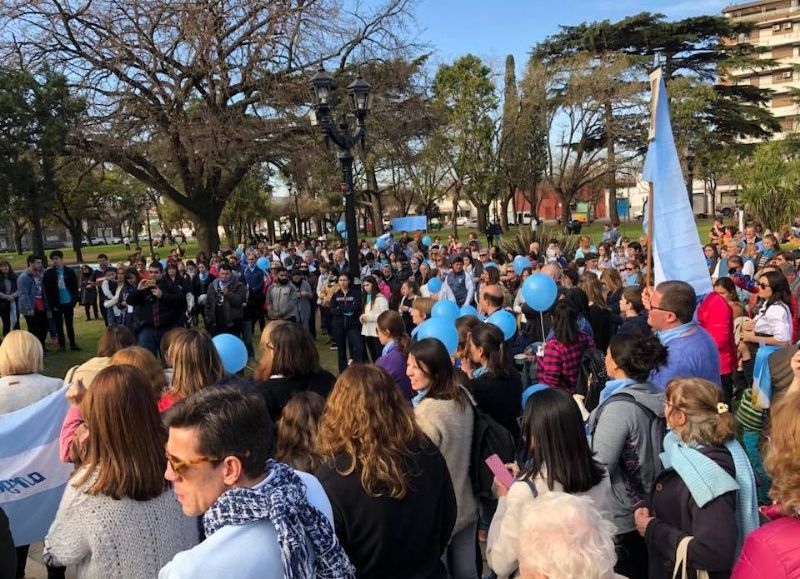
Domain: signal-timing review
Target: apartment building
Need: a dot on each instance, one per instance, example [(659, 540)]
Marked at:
[(777, 28)]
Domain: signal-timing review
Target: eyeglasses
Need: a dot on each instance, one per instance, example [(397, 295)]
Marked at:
[(764, 285), (179, 466), (652, 307), (630, 269)]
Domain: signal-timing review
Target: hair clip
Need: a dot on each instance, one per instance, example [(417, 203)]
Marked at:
[(722, 408)]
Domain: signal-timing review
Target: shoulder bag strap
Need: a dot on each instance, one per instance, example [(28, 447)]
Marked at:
[(682, 560)]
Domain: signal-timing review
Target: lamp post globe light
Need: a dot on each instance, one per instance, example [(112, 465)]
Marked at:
[(359, 94)]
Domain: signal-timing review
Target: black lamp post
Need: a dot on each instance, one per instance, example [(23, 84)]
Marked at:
[(297, 224), (359, 94), (690, 179)]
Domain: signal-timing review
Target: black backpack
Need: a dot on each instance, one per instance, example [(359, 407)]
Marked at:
[(658, 427), (488, 438), (591, 377)]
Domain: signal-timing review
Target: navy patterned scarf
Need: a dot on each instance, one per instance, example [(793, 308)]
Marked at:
[(282, 500)]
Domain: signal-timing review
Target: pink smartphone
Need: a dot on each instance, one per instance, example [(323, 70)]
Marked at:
[(500, 471)]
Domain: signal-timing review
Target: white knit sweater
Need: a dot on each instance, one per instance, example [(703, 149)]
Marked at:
[(450, 428), (125, 539)]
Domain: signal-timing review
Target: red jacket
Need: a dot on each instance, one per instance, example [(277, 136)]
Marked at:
[(771, 552), (715, 316)]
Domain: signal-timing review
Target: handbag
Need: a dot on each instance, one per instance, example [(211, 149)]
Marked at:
[(681, 556)]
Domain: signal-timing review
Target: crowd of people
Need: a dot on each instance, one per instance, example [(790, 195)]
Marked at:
[(630, 430)]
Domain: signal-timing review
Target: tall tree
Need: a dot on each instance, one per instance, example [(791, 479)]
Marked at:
[(36, 113), (700, 48), (188, 97), (466, 91), (511, 152), (579, 87), (533, 132), (770, 184)]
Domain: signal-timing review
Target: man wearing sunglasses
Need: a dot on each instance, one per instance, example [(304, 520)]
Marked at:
[(255, 511), (692, 351)]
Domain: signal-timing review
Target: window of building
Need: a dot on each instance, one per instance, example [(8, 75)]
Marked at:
[(782, 100), (782, 52), (787, 25), (779, 77), (788, 124)]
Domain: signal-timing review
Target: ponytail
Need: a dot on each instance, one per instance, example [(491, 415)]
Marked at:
[(391, 321)]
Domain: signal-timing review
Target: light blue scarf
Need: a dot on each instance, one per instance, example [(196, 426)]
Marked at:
[(388, 348), (477, 373), (614, 386), (666, 336), (706, 480), (419, 396)]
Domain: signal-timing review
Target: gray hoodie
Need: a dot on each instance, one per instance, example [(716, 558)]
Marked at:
[(621, 439)]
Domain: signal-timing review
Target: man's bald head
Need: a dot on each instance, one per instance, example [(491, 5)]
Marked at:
[(553, 270), (492, 296)]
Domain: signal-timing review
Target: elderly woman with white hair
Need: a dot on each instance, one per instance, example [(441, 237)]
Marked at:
[(21, 361), (564, 536)]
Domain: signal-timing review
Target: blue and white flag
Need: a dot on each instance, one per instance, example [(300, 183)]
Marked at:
[(32, 476), (677, 251)]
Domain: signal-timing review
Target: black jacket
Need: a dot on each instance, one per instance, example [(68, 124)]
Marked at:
[(388, 538), (50, 287), (713, 527), (159, 313), (500, 398), (8, 555), (278, 391), (346, 308), (232, 305)]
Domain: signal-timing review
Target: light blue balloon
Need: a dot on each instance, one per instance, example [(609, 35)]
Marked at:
[(505, 321), (539, 291), (341, 226), (434, 285), (445, 309), (163, 263), (380, 244), (468, 310), (263, 264), (441, 329), (343, 234), (520, 263), (232, 352), (426, 241)]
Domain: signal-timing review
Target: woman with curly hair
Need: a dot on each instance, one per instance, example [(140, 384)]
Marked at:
[(297, 431), (771, 551), (393, 502)]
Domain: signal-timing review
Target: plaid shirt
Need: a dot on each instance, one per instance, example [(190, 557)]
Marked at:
[(560, 364)]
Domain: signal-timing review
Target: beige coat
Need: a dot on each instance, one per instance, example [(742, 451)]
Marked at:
[(450, 428)]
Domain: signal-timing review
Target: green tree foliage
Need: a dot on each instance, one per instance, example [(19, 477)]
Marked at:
[(770, 184), (466, 91), (218, 87), (37, 112), (696, 53)]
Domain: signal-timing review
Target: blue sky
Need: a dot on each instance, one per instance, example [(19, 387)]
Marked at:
[(492, 29)]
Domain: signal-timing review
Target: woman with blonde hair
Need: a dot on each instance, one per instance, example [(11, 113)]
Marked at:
[(600, 318), (21, 361), (195, 365), (392, 499), (706, 494), (144, 360), (118, 517)]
